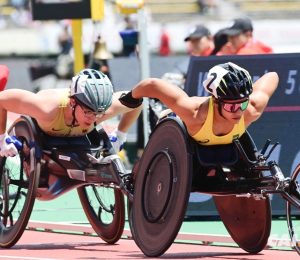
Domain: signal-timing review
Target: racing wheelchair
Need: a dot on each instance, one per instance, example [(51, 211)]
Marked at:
[(47, 167), (239, 177)]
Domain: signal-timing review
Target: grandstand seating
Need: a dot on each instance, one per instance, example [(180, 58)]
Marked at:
[(286, 9), (172, 6), (260, 9), (166, 9), (185, 9)]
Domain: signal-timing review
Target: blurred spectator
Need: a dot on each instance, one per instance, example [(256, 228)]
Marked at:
[(240, 35), (222, 46), (129, 37), (164, 48), (207, 6), (64, 66), (65, 40), (200, 41)]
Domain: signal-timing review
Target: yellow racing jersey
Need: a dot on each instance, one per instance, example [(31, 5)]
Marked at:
[(205, 135), (58, 127)]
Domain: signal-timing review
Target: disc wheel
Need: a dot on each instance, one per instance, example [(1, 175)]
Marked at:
[(247, 220), (19, 177), (293, 211), (162, 188), (105, 210)]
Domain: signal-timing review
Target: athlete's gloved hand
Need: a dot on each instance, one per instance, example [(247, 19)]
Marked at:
[(118, 139), (7, 146), (93, 159), (129, 101)]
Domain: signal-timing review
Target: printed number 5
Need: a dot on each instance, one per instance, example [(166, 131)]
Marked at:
[(291, 81)]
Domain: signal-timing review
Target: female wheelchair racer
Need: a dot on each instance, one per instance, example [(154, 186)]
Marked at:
[(180, 158), (56, 148)]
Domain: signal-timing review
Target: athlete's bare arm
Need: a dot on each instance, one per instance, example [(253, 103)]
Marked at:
[(39, 105), (175, 98), (263, 89)]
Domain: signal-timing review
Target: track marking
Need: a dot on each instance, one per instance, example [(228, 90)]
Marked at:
[(24, 257)]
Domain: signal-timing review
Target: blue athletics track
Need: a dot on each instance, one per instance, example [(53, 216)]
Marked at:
[(59, 230)]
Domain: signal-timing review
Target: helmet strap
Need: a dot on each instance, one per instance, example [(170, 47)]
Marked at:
[(73, 115), (220, 109), (217, 101)]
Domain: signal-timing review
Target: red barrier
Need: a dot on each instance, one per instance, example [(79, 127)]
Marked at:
[(4, 72)]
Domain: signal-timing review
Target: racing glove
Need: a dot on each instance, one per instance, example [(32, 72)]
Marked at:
[(7, 146), (129, 101), (118, 139)]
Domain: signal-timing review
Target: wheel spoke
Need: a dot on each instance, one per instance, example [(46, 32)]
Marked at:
[(105, 209)]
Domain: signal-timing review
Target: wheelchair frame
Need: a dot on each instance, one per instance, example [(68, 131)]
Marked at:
[(240, 187), (45, 172)]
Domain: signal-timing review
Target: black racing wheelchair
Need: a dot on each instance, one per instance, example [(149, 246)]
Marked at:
[(48, 167), (239, 177), (172, 165)]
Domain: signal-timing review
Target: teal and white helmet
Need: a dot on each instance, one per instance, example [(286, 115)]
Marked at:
[(92, 89)]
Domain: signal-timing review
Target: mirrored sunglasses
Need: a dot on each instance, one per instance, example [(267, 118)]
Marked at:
[(234, 107)]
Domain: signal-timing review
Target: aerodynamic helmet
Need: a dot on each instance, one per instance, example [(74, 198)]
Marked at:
[(92, 89), (228, 81)]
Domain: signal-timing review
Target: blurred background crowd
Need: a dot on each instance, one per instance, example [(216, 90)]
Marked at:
[(169, 21), (174, 28)]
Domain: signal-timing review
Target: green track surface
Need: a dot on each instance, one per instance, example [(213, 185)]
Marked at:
[(67, 208)]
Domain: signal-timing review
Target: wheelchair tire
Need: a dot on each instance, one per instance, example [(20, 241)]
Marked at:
[(129, 202), (293, 213), (18, 184), (162, 188), (105, 209)]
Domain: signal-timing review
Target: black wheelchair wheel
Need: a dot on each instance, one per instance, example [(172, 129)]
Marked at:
[(105, 210), (129, 213), (130, 202), (293, 212), (19, 177), (161, 189), (247, 220)]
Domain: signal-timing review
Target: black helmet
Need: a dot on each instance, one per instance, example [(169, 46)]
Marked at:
[(93, 89), (228, 81)]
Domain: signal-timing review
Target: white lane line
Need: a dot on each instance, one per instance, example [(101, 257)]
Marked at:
[(24, 257)]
